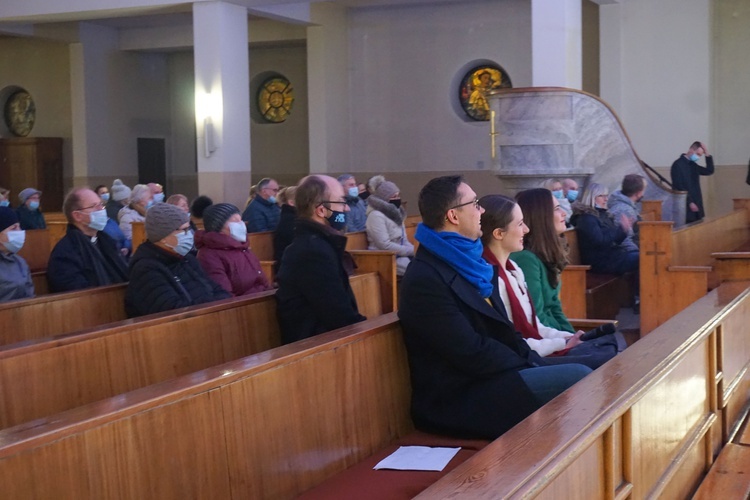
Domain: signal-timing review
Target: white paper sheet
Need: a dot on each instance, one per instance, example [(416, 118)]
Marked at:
[(418, 458)]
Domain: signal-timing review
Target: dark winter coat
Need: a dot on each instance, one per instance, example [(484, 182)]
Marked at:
[(30, 219), (76, 263), (284, 234), (600, 241), (686, 177), (161, 281), (261, 215), (464, 354), (230, 263), (314, 294)]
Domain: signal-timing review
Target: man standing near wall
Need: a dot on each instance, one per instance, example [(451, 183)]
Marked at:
[(686, 177)]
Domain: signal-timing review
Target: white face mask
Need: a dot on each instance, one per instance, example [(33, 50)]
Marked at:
[(238, 231), (15, 242), (98, 220)]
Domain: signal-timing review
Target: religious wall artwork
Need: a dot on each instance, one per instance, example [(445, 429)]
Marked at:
[(474, 88), (275, 99), (20, 113)]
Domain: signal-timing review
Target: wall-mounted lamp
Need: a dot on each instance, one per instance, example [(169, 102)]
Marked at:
[(208, 108)]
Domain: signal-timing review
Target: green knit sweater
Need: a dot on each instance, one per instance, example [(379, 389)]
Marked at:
[(546, 299)]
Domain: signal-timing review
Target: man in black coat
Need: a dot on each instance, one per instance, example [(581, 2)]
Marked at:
[(164, 275), (472, 374), (314, 294), (686, 177), (86, 256)]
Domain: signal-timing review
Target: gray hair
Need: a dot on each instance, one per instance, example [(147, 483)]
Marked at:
[(592, 191)]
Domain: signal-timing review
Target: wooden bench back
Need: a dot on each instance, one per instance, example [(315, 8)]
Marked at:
[(41, 378), (651, 209), (357, 241), (262, 245), (139, 234), (61, 313), (275, 424), (271, 425), (36, 249)]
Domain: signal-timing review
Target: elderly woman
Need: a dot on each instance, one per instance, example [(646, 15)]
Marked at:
[(503, 233), (15, 277), (224, 253), (135, 211), (385, 224), (600, 237)]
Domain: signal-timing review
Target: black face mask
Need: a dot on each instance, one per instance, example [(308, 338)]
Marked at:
[(364, 195), (337, 220), (396, 203)]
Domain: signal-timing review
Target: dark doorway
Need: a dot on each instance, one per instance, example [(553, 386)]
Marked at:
[(152, 161)]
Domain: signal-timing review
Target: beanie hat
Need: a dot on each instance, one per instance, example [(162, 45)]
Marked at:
[(386, 190), (199, 206), (8, 217), (215, 216), (27, 193), (162, 220), (120, 191)]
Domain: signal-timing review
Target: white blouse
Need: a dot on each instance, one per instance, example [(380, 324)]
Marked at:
[(552, 339)]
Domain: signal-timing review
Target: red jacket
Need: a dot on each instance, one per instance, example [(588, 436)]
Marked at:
[(230, 263)]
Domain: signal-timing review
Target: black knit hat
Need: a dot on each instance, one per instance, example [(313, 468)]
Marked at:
[(8, 217), (215, 216), (199, 205)]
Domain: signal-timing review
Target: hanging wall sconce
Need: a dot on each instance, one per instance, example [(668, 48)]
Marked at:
[(208, 109)]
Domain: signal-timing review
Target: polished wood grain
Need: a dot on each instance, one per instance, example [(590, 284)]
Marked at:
[(41, 287), (651, 209), (646, 416), (57, 230), (262, 245), (356, 241), (573, 291), (729, 477), (384, 265), (265, 426), (139, 234), (36, 249), (55, 217), (61, 313), (39, 378)]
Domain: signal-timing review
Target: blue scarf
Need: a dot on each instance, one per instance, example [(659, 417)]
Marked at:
[(461, 253)]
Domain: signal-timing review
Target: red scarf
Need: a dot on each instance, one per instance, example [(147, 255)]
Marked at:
[(528, 330)]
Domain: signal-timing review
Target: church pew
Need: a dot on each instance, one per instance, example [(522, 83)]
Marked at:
[(54, 217), (49, 315), (44, 376), (651, 209), (139, 234), (57, 230), (39, 278), (59, 313), (276, 424), (647, 424), (36, 249)]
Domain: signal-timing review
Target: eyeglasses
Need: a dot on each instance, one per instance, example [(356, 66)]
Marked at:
[(276, 190), (329, 202), (187, 230), (605, 196), (97, 206), (475, 201)]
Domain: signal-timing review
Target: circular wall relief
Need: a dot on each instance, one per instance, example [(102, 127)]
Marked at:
[(275, 99), (20, 113), (472, 93)]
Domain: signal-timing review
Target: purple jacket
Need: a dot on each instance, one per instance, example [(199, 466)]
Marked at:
[(230, 263)]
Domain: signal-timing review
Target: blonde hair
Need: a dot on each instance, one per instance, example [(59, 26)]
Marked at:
[(592, 191)]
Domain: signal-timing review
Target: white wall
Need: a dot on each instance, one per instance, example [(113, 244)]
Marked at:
[(404, 66), (656, 73)]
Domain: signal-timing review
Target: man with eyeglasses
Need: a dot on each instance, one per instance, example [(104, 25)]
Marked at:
[(163, 273), (262, 214), (314, 294), (472, 374), (86, 256)]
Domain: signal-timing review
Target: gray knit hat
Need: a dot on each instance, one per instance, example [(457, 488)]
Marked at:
[(27, 193), (120, 191), (162, 220), (215, 216), (386, 190)]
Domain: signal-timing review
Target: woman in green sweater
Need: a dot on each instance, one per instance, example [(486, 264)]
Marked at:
[(544, 255)]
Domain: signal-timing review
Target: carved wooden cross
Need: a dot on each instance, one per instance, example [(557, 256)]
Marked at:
[(656, 252)]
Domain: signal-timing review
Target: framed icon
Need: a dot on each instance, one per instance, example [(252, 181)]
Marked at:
[(20, 113), (275, 99), (476, 83)]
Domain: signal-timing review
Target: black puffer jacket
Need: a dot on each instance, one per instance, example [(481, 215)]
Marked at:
[(160, 281)]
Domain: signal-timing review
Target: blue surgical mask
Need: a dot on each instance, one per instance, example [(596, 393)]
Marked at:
[(33, 205), (557, 193), (337, 220), (353, 192), (238, 231), (158, 197), (149, 204), (271, 199), (98, 219), (694, 157), (15, 241), (4, 203), (184, 243), (572, 195), (104, 197)]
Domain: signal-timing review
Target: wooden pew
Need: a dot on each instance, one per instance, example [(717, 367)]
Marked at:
[(36, 249), (651, 209), (139, 234), (61, 313), (645, 423), (41, 377), (57, 230), (54, 217)]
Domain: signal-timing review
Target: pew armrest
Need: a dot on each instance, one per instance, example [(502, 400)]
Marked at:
[(690, 269), (730, 255), (589, 324)]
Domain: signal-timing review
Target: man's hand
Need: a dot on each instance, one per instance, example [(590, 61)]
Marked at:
[(574, 340), (705, 150), (626, 223), (693, 207)]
